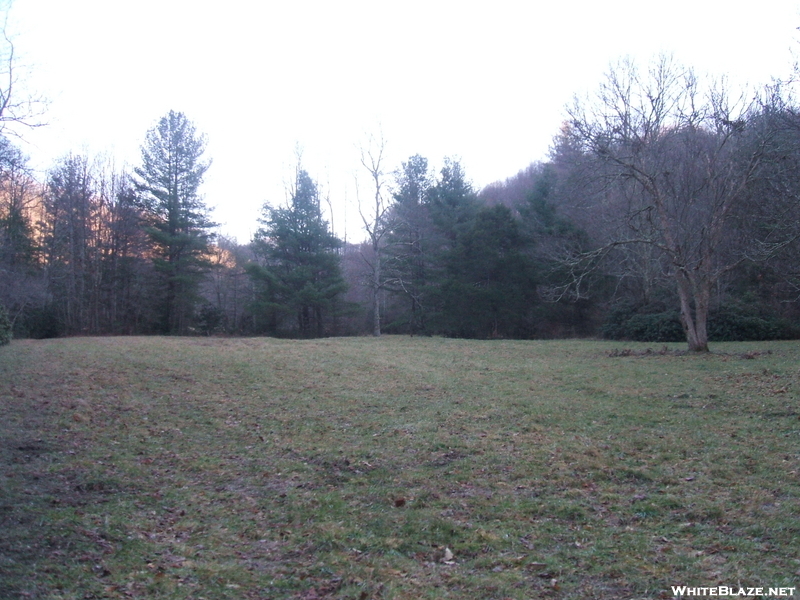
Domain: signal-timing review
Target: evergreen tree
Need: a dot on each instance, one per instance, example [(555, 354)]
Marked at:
[(17, 248), (468, 262), (453, 203), (299, 277), (487, 287), (19, 278), (21, 283), (407, 242), (178, 220)]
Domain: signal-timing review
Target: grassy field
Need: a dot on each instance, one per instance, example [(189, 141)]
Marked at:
[(395, 468)]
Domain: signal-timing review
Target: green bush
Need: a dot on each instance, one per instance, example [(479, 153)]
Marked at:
[(744, 323), (735, 322), (5, 326), (614, 326), (41, 322), (209, 319), (655, 327), (626, 323)]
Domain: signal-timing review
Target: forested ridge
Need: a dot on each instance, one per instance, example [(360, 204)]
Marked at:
[(668, 209)]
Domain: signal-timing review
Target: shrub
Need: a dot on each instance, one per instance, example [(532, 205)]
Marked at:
[(41, 322), (209, 319), (734, 322), (5, 326), (743, 323), (626, 323), (655, 327), (614, 326)]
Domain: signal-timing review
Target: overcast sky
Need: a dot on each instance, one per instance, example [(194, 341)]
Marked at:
[(486, 82)]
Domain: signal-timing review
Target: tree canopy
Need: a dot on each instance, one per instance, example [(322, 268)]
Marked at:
[(667, 210)]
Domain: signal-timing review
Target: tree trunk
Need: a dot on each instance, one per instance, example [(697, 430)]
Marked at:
[(376, 295), (694, 321)]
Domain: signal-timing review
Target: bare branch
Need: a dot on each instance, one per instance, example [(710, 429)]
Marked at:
[(16, 107)]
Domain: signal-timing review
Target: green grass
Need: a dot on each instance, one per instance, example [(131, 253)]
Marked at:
[(353, 468)]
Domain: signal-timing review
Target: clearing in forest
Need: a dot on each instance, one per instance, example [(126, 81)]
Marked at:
[(395, 468)]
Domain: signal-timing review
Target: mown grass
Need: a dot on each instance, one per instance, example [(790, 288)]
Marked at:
[(394, 468)]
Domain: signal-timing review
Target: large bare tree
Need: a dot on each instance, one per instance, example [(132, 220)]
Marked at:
[(674, 165), (373, 214)]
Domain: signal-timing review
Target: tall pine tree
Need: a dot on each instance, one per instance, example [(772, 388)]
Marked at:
[(178, 219)]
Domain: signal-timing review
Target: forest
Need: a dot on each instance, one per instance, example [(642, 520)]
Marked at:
[(667, 210)]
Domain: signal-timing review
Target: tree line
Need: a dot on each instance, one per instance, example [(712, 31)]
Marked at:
[(667, 210)]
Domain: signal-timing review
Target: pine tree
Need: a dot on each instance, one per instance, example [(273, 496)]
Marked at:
[(407, 242), (178, 220), (453, 203), (17, 247), (299, 277), (488, 285)]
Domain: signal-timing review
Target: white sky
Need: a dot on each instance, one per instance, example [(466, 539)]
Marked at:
[(484, 81)]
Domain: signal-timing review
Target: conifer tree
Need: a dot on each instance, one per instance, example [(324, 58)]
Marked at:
[(299, 276), (178, 220), (407, 247)]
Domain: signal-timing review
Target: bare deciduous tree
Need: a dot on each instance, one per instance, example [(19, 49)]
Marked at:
[(375, 222), (678, 165)]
